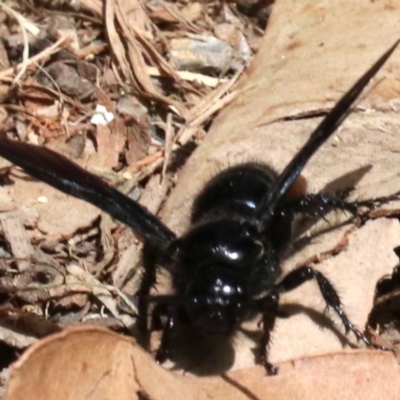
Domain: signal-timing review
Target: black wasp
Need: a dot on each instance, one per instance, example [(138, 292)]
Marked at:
[(226, 267)]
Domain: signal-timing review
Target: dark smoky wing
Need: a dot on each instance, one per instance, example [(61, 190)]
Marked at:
[(66, 176), (329, 124)]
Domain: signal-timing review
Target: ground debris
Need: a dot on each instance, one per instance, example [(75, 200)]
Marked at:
[(62, 67)]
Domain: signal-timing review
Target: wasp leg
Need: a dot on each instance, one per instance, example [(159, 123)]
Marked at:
[(320, 204), (269, 308), (301, 275), (147, 282), (163, 352)]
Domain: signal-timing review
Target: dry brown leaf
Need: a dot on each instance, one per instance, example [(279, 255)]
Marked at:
[(93, 363), (52, 219), (76, 364), (306, 66)]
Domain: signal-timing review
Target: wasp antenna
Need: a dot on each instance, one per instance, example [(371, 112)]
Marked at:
[(323, 131)]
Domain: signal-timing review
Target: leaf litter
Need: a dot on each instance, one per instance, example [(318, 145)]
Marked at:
[(61, 269)]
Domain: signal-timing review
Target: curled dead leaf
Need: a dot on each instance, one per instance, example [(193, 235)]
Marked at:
[(94, 363)]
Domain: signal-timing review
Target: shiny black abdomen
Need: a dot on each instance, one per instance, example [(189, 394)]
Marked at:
[(235, 193), (236, 190)]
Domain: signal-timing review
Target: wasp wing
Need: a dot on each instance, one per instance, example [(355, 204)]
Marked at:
[(323, 131), (68, 177)]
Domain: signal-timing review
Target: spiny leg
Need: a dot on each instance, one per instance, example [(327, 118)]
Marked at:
[(159, 310), (147, 282), (377, 202), (163, 352), (320, 204), (301, 275), (268, 306)]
